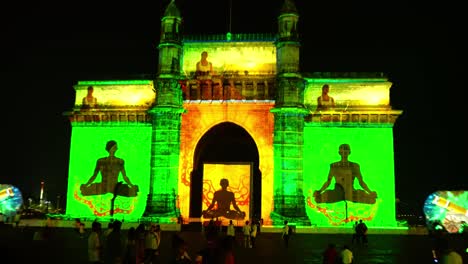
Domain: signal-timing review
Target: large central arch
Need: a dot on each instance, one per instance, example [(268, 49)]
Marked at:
[(225, 143), (201, 123)]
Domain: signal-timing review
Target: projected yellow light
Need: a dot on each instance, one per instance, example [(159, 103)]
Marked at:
[(351, 93), (251, 65), (256, 57), (238, 176), (201, 117), (118, 95)]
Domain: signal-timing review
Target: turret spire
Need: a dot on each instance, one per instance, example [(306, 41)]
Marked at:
[(287, 22)]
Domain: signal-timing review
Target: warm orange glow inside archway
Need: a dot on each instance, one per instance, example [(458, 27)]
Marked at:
[(254, 117)]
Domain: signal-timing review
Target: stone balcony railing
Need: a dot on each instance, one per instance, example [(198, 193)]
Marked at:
[(354, 117), (254, 87), (114, 116)]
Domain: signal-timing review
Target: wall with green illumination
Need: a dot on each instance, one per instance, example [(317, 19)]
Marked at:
[(87, 146), (372, 148)]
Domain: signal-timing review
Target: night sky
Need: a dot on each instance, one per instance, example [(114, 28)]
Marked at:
[(50, 48)]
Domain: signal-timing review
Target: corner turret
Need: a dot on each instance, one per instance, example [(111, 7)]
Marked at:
[(170, 45), (287, 22)]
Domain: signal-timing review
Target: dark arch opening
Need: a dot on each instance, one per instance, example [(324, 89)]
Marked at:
[(224, 143)]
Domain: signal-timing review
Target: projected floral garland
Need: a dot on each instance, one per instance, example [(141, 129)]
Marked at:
[(336, 212), (101, 204)]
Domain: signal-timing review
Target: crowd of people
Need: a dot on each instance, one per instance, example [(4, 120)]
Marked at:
[(141, 244)]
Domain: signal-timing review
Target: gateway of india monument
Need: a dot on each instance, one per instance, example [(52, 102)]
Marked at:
[(230, 128)]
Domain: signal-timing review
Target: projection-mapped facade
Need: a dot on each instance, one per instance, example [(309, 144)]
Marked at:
[(234, 107)]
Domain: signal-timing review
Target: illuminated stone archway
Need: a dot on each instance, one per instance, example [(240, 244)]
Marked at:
[(255, 118), (226, 150)]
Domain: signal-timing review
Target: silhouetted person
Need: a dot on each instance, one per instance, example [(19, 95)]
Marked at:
[(346, 255), (211, 234), (95, 244), (140, 233), (131, 250), (115, 245), (224, 198), (286, 233), (253, 233), (152, 242), (344, 172), (330, 255), (355, 235), (231, 231), (110, 168), (180, 255), (361, 232), (246, 229)]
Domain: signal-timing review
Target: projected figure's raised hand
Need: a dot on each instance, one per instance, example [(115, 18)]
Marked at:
[(344, 172), (223, 199)]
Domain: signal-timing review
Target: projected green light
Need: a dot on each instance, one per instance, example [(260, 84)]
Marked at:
[(372, 149), (87, 146)]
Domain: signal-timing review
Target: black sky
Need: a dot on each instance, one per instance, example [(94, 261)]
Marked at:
[(48, 48)]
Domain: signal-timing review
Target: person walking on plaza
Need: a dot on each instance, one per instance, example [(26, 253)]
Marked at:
[(286, 232), (253, 234), (330, 255), (211, 234), (17, 218), (131, 250), (361, 232), (95, 244), (140, 243), (115, 244), (246, 232), (152, 242), (231, 232), (346, 255), (180, 251), (355, 235)]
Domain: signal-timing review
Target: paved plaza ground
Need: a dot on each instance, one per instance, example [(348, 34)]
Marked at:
[(66, 246)]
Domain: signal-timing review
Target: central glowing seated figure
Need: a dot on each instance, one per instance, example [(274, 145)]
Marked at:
[(223, 198)]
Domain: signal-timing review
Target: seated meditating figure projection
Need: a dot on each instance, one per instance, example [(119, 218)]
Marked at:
[(325, 102), (204, 74), (89, 101), (344, 172), (110, 168), (223, 199)]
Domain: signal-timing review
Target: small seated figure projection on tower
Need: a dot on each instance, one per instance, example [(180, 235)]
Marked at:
[(204, 74), (324, 101), (223, 198), (110, 168), (344, 172), (89, 101)]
